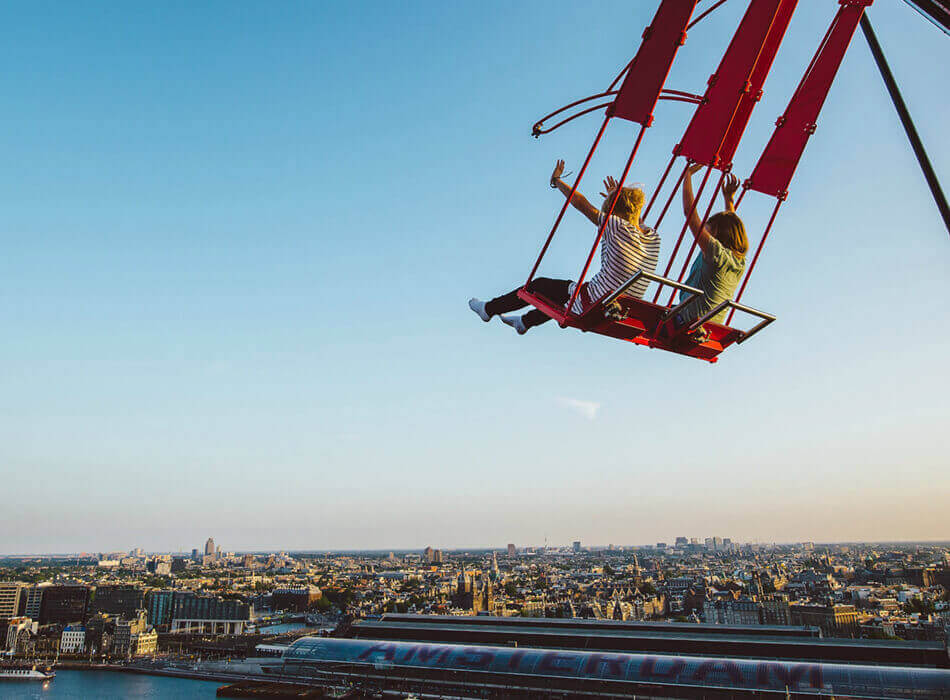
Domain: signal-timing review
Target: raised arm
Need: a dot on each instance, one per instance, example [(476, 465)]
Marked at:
[(700, 233), (579, 201)]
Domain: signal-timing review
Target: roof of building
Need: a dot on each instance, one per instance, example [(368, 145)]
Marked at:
[(722, 640), (592, 671)]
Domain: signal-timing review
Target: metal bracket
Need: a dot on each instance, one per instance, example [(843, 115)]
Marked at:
[(744, 335), (640, 274)]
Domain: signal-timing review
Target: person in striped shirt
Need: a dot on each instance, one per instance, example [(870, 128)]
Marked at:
[(626, 247)]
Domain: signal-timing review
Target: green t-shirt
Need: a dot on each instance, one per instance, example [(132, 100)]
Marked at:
[(717, 272)]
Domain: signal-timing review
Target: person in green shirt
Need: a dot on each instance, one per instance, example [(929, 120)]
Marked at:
[(723, 245)]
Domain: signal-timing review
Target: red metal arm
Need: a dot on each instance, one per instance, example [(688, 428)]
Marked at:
[(775, 168), (648, 71), (732, 81), (707, 12), (536, 130), (760, 72)]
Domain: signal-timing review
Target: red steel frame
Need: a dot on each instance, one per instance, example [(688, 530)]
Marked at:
[(635, 100), (711, 139), (734, 89), (776, 166)]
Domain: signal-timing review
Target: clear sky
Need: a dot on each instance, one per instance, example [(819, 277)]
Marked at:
[(239, 239)]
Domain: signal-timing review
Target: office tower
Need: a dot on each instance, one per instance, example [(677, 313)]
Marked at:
[(576, 546), (512, 550), (64, 604), (10, 593), (34, 599), (209, 547), (117, 600)]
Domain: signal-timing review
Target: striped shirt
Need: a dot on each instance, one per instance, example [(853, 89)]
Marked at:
[(624, 250)]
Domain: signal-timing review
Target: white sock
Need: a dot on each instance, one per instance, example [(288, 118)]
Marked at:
[(516, 322), (478, 306)]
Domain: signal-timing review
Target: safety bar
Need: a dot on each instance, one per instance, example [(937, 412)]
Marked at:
[(693, 293), (745, 335), (661, 281)]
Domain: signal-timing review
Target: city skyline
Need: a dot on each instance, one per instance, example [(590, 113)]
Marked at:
[(521, 548)]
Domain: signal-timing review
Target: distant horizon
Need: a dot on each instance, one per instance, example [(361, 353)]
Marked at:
[(500, 548)]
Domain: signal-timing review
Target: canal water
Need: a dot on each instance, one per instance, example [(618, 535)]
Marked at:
[(108, 685), (281, 629)]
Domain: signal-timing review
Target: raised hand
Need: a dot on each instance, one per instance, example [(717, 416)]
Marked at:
[(610, 185), (730, 185), (558, 171), (694, 168)]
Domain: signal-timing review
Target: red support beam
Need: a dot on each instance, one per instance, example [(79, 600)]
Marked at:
[(731, 84), (647, 72), (763, 64), (776, 166)]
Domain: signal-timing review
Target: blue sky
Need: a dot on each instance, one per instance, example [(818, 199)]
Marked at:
[(240, 238)]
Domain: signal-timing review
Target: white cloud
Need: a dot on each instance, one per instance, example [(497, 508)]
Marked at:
[(588, 409)]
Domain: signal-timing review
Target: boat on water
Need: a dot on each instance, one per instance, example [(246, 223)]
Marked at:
[(25, 673)]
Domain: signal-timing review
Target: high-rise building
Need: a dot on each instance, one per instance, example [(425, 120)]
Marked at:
[(160, 605), (209, 547), (429, 554), (576, 546), (194, 554), (64, 605), (512, 550), (117, 601), (34, 600), (681, 541), (208, 614), (10, 596)]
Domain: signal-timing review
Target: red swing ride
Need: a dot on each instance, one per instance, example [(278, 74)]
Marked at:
[(711, 140)]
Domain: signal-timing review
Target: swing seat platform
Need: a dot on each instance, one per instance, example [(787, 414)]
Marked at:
[(648, 324)]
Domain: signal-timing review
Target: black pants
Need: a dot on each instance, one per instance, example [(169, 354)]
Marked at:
[(553, 290)]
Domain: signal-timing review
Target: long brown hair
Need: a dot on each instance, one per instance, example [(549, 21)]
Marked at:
[(728, 229)]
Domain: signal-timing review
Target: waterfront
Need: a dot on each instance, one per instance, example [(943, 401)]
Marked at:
[(108, 685), (283, 628)]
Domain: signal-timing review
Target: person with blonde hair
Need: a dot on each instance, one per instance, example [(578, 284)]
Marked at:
[(723, 245), (627, 246)]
